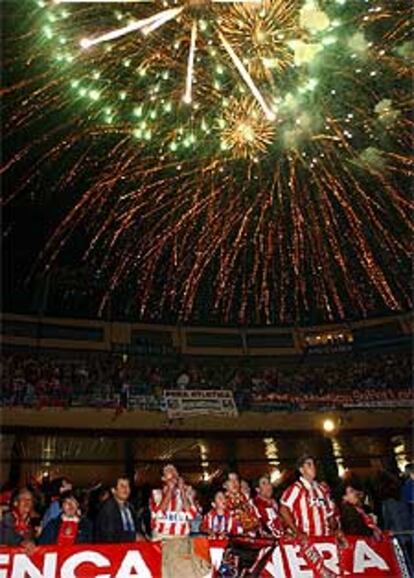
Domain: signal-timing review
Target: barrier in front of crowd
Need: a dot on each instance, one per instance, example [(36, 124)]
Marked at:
[(138, 560), (180, 404), (362, 558)]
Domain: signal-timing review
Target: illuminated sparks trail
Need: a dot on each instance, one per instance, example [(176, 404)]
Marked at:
[(281, 195), (144, 25), (161, 19), (152, 23), (189, 81), (270, 115)]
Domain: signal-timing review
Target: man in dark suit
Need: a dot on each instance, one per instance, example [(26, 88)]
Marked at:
[(116, 519)]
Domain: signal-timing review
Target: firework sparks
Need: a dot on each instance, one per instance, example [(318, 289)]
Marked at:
[(146, 25), (270, 115), (189, 81), (152, 23), (280, 195), (262, 33), (246, 131)]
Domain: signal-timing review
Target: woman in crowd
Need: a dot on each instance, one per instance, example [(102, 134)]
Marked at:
[(355, 519)]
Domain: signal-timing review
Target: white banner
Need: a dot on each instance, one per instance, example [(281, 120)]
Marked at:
[(386, 403), (194, 402)]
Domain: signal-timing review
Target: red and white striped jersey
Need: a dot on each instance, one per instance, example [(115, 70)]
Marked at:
[(268, 513), (220, 524), (311, 506), (174, 520)]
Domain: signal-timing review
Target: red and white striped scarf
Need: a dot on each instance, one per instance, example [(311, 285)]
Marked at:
[(22, 524), (367, 519)]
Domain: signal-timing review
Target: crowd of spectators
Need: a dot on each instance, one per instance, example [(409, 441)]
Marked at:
[(54, 512), (46, 379)]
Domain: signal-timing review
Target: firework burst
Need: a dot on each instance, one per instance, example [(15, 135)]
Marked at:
[(261, 33), (245, 130), (250, 160)]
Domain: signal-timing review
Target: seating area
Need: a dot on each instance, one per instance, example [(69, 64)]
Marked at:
[(118, 380)]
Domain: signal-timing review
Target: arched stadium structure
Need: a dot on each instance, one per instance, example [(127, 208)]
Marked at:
[(92, 429)]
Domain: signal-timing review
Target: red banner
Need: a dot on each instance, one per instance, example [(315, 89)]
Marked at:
[(362, 558), (138, 560)]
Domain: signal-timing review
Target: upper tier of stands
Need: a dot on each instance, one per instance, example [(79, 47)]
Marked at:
[(154, 340)]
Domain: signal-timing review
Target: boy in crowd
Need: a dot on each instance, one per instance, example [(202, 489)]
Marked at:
[(219, 522), (306, 506), (307, 509), (172, 507), (240, 507), (69, 528), (267, 508)]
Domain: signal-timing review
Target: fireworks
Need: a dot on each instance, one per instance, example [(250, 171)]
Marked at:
[(261, 33), (245, 160), (246, 131)]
